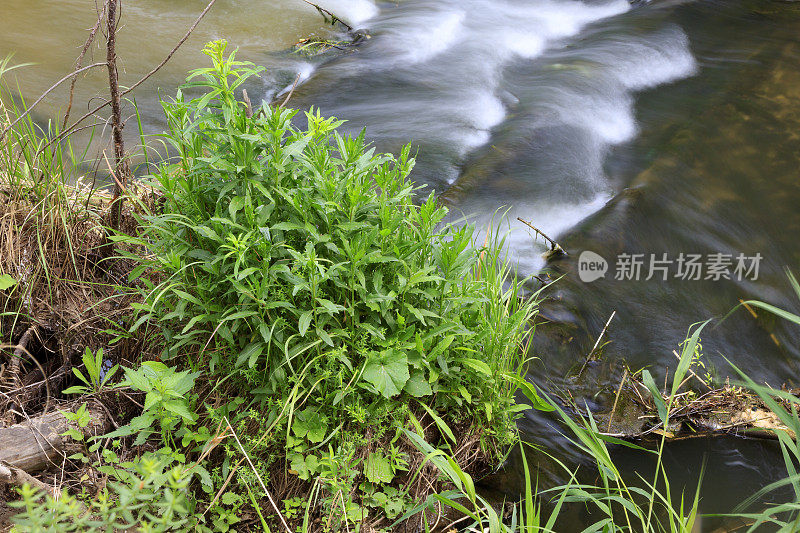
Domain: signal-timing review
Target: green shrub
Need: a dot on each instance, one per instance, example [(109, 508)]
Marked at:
[(149, 494), (297, 262)]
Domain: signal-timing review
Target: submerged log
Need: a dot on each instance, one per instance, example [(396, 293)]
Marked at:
[(38, 443)]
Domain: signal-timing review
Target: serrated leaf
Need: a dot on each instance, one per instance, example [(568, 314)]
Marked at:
[(387, 372), (417, 385), (179, 408), (151, 399), (378, 469), (137, 381)]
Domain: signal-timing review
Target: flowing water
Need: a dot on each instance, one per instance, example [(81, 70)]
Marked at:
[(666, 127)]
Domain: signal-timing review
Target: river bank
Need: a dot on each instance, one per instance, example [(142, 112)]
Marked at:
[(697, 147)]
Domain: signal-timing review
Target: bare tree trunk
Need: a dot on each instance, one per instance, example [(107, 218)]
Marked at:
[(121, 169)]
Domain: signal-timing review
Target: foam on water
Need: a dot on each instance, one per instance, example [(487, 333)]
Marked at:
[(524, 44), (553, 220), (434, 72), (302, 72), (434, 40), (356, 12), (529, 29), (649, 63)]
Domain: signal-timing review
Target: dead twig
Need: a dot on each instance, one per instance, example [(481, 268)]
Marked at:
[(596, 343), (17, 356), (616, 399), (291, 91), (69, 130), (19, 349), (325, 14), (44, 95), (78, 63), (554, 246), (121, 169), (247, 103)]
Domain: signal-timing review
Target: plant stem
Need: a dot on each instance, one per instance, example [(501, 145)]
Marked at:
[(121, 170)]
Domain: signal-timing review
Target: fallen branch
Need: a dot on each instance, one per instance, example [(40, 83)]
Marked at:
[(17, 356), (554, 246), (34, 445), (325, 14), (10, 475)]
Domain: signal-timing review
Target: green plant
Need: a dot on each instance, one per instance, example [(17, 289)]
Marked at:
[(301, 266), (228, 512), (150, 494), (165, 403), (621, 506), (783, 516), (81, 417), (97, 374)]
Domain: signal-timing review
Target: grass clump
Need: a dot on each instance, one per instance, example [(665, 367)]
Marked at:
[(298, 268)]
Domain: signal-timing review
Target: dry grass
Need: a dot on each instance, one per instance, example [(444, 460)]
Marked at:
[(68, 293)]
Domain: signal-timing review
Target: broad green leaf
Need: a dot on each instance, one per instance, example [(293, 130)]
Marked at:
[(478, 366), (329, 306), (137, 380), (250, 353), (309, 424), (151, 399), (378, 469), (237, 203), (387, 371), (6, 282), (530, 392), (324, 336), (179, 408), (417, 385)]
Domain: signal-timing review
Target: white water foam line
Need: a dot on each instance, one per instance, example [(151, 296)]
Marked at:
[(531, 29), (302, 72), (604, 104), (475, 49), (354, 12)]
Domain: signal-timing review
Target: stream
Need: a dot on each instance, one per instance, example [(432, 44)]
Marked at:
[(630, 131)]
